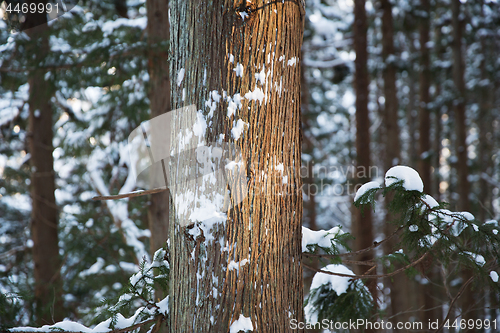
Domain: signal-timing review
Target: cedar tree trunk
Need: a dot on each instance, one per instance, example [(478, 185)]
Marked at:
[(238, 64)]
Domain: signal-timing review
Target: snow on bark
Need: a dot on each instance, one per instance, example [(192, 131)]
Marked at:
[(241, 324)]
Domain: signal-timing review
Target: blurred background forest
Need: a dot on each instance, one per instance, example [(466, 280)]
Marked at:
[(414, 82)]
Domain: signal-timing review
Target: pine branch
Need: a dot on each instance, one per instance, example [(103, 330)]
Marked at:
[(460, 292)]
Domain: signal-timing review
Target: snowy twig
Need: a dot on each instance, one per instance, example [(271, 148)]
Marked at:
[(324, 64), (118, 210), (460, 292), (490, 180), (348, 254), (12, 251), (128, 195), (356, 277)]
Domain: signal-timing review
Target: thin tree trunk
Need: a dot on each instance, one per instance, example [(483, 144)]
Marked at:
[(427, 300), (438, 127), (398, 287), (484, 122), (411, 112), (468, 299), (309, 214), (485, 152), (44, 215), (424, 83), (245, 262), (362, 227), (159, 97), (461, 129)]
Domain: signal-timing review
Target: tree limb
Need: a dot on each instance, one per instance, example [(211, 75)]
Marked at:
[(129, 195), (374, 276), (460, 292)]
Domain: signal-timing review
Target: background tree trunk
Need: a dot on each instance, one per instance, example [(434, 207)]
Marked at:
[(309, 213), (362, 228), (468, 300), (424, 82), (427, 292), (159, 97), (392, 149), (44, 215), (218, 48)]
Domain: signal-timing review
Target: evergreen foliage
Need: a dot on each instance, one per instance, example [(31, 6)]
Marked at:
[(355, 303), (428, 233), (138, 298)]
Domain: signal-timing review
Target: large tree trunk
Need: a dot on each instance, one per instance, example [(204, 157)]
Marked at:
[(467, 299), (246, 261), (392, 148), (159, 97), (362, 228), (44, 215)]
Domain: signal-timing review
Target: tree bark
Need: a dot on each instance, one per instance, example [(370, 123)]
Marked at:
[(362, 222), (44, 215), (247, 262)]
